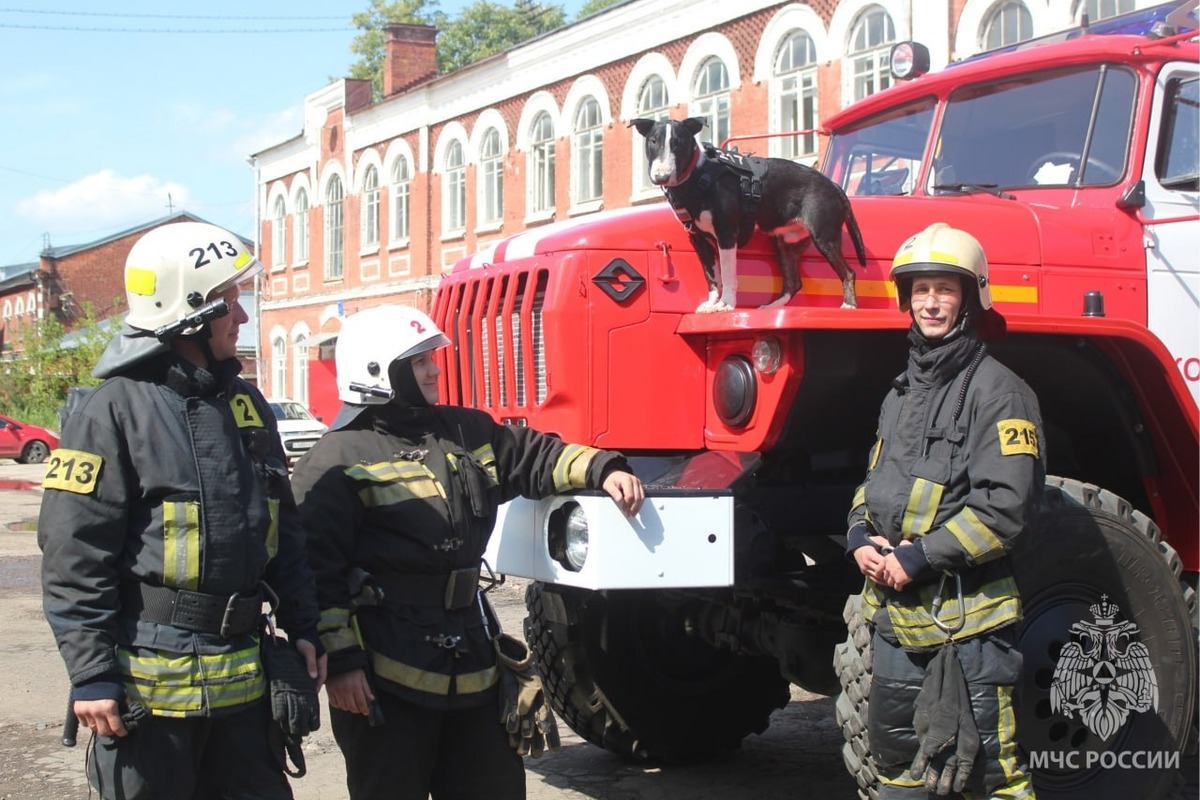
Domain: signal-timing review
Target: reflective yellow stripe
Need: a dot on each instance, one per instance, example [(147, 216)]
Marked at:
[(486, 456), (923, 502), (333, 617), (831, 287), (1006, 731), (975, 537), (335, 631), (992, 606), (140, 281), (395, 482), (873, 461), (860, 497), (273, 529), (181, 545), (184, 685), (570, 471), (431, 682), (902, 780)]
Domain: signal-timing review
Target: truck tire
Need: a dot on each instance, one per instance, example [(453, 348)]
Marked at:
[(621, 670), (1084, 543)]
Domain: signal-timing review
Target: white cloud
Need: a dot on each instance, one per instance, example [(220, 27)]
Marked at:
[(102, 202), (272, 129)]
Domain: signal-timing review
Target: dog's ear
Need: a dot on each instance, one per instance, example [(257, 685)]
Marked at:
[(644, 126), (694, 125)]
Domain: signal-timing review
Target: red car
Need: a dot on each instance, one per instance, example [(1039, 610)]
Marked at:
[(29, 444)]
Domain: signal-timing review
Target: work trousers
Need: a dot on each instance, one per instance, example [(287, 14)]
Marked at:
[(991, 664), (421, 752), (195, 758)]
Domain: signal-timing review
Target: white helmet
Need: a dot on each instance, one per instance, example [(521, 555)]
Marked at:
[(171, 271), (371, 340), (940, 248)]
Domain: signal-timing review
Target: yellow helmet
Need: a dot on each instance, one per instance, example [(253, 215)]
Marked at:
[(940, 248), (171, 271)]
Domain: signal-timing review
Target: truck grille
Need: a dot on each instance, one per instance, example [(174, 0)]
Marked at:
[(496, 323)]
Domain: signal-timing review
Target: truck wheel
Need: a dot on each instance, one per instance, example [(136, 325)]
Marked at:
[(1084, 544), (1087, 545), (621, 670)]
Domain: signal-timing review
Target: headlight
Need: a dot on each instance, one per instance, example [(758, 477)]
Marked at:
[(909, 60), (766, 354), (567, 536), (735, 391)]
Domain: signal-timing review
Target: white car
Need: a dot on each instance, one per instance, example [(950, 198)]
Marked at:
[(298, 428)]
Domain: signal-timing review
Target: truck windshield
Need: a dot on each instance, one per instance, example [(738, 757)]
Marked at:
[(1057, 128)]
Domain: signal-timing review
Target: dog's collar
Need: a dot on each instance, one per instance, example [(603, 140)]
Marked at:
[(687, 173)]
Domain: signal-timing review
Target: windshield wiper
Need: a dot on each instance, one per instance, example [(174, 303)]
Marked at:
[(971, 188)]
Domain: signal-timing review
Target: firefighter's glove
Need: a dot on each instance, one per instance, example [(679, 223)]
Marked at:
[(295, 707), (946, 730), (524, 711)]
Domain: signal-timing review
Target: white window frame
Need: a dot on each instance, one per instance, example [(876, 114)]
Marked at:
[(335, 229), (454, 190), (649, 106), (279, 365), (587, 153), (491, 180), (369, 225), (797, 96), (868, 52), (401, 189), (710, 99), (1006, 23), (543, 200), (279, 232)]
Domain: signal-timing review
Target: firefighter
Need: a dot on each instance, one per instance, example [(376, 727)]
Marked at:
[(166, 522), (399, 499), (952, 480)]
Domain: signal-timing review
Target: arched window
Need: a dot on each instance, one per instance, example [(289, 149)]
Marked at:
[(491, 189), (370, 208), (454, 203), (300, 246), (20, 307), (300, 370), (652, 104), (279, 366), (8, 312), (796, 73), (710, 95), (541, 164), (588, 150), (1007, 23), (401, 182), (334, 230), (869, 54), (278, 232), (1103, 9)]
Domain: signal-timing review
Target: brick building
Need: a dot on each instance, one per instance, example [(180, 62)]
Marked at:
[(65, 280), (373, 201)]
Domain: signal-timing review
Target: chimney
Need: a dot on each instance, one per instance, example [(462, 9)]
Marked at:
[(409, 57)]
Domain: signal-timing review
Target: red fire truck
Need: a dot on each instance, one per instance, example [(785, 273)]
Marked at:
[(1074, 161)]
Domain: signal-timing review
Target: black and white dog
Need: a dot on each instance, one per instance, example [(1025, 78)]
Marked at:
[(720, 196)]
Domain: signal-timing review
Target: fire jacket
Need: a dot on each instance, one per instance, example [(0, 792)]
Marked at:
[(168, 475), (957, 468), (408, 497)]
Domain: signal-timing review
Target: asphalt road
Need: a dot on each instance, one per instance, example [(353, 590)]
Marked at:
[(798, 755)]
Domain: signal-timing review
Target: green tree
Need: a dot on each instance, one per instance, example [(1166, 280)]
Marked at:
[(592, 6), (485, 28), (369, 45), (34, 385)]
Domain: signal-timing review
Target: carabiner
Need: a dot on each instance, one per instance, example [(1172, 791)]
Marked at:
[(936, 607)]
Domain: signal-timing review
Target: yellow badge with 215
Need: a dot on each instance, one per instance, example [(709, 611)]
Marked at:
[(1017, 437), (72, 471)]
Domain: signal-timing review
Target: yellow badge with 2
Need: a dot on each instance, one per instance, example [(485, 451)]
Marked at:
[(244, 412), (1017, 437), (72, 471)]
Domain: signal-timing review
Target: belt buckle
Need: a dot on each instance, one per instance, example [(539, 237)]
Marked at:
[(227, 617)]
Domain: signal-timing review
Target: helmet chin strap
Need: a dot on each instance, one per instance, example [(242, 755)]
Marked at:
[(960, 326)]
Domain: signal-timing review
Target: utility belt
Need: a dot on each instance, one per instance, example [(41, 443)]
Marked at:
[(454, 591), (225, 615)]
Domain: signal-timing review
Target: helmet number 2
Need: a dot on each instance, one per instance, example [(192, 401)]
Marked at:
[(218, 249), (417, 326)]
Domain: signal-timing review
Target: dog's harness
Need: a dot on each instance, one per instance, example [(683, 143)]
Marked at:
[(707, 165)]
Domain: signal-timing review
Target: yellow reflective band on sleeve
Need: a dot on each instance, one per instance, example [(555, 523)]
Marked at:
[(976, 538), (486, 456), (181, 545), (874, 459), (273, 528), (335, 631), (171, 685), (1017, 437), (334, 617), (860, 497), (923, 502), (72, 471), (244, 412), (140, 281), (570, 471), (339, 639)]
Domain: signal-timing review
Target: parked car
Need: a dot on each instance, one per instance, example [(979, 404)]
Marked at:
[(29, 444), (298, 428)]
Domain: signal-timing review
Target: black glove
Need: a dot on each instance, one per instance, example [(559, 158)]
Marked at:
[(524, 712), (295, 706), (943, 720)]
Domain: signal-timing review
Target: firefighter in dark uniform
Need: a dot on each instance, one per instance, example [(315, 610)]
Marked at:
[(953, 477), (166, 516), (399, 499)]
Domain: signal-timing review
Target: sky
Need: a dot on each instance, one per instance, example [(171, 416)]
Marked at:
[(114, 114)]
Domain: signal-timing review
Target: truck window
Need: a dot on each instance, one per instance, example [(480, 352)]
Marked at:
[(1179, 145), (884, 154), (1063, 128)]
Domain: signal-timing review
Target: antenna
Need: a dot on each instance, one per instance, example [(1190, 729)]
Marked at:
[(170, 204)]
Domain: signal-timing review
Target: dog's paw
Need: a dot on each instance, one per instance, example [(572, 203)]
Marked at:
[(721, 305), (849, 305), (707, 307), (781, 301)]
